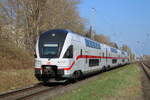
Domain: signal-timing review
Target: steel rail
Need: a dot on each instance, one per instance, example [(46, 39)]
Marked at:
[(145, 70)]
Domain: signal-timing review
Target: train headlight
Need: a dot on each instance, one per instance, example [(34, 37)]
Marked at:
[(38, 63)]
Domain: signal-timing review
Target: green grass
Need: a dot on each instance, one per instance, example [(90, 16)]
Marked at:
[(119, 84)]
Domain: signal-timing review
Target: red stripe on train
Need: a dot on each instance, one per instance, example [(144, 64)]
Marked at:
[(89, 56)]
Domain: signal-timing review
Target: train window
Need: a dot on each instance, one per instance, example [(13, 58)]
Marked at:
[(114, 61), (92, 44), (35, 56), (103, 54), (86, 59), (93, 62), (113, 50), (81, 52), (123, 60), (69, 52), (50, 50), (100, 58)]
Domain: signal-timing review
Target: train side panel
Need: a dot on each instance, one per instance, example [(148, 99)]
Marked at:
[(77, 54)]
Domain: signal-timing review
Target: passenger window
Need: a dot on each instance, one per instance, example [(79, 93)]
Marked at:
[(103, 54), (93, 62), (81, 52), (100, 58), (69, 52), (114, 61)]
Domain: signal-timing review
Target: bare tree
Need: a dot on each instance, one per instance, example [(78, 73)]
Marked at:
[(25, 19), (114, 45), (102, 38)]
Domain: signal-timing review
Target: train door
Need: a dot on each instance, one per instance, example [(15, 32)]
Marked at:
[(86, 62), (83, 60), (103, 60), (83, 52), (106, 57), (78, 52), (100, 59)]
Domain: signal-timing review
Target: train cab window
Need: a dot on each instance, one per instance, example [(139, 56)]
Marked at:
[(50, 50), (35, 56), (69, 52)]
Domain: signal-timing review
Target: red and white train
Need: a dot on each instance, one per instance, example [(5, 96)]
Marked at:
[(62, 54)]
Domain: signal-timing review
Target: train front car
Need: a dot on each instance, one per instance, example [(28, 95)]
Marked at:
[(48, 62)]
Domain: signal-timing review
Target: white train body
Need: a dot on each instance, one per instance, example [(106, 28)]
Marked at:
[(62, 54)]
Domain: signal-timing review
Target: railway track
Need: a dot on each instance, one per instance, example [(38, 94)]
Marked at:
[(39, 89), (146, 69), (27, 93)]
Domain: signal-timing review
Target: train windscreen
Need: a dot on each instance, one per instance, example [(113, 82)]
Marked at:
[(50, 50), (51, 43)]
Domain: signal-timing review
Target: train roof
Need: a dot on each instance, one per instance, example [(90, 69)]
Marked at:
[(56, 35), (66, 31), (56, 30)]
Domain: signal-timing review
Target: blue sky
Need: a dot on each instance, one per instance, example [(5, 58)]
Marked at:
[(124, 21)]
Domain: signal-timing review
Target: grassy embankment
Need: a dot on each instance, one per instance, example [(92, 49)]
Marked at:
[(119, 84), (16, 67)]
